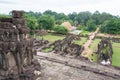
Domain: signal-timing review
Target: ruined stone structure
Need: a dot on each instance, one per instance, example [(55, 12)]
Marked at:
[(116, 40), (67, 47), (113, 39), (39, 44), (16, 53), (104, 50)]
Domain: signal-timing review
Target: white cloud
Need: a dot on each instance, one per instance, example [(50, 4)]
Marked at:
[(65, 6)]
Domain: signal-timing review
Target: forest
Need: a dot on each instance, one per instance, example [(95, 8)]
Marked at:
[(86, 21)]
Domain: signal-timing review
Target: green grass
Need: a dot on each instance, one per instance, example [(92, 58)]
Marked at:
[(81, 42), (53, 38), (115, 44), (93, 57), (48, 49), (85, 32), (116, 54), (94, 45)]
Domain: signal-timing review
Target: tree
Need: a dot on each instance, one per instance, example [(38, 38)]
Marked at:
[(80, 27), (4, 16), (46, 22), (83, 17), (51, 13), (33, 14), (96, 17), (100, 18), (73, 18), (31, 22), (111, 26), (61, 16), (104, 17), (60, 29), (91, 25)]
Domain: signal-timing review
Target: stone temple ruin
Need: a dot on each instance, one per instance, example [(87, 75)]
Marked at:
[(105, 50), (16, 50), (67, 47), (39, 43), (116, 40)]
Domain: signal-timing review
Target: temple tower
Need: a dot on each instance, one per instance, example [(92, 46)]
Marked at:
[(16, 49)]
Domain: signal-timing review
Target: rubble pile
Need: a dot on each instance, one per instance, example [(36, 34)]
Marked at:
[(116, 40), (39, 43), (67, 47)]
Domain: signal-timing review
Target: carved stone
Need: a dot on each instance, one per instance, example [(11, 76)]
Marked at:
[(16, 50), (105, 50), (67, 47)]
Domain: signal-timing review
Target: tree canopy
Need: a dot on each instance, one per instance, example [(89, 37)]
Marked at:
[(91, 25), (111, 26), (89, 21), (4, 16), (46, 22), (60, 29)]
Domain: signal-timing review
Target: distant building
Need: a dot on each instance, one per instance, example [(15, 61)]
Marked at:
[(68, 26), (71, 28)]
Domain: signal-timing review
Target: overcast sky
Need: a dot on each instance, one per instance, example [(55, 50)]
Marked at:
[(65, 6)]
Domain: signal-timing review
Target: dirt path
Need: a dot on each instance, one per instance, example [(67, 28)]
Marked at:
[(87, 50)]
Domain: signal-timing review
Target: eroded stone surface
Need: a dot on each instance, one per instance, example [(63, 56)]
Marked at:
[(57, 71)]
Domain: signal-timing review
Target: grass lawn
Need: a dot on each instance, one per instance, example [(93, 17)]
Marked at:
[(116, 54), (53, 38), (85, 32), (93, 57), (48, 49), (81, 42), (93, 47)]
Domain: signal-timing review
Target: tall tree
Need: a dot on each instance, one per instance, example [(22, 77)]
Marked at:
[(46, 22), (91, 25), (31, 22), (83, 17), (111, 26), (73, 17), (104, 16), (96, 17)]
